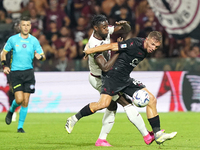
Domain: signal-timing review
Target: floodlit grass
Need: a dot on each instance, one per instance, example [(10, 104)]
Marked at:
[(45, 131)]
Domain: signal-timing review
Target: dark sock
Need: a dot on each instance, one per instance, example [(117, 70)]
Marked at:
[(155, 123), (11, 97), (85, 111)]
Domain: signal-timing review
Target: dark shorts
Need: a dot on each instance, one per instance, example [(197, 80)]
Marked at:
[(8, 79), (23, 81), (112, 86)]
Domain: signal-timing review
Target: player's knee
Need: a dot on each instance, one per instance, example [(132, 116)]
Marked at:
[(19, 100), (153, 99), (24, 105), (103, 105)]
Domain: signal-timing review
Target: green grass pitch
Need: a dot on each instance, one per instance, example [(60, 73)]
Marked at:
[(45, 131)]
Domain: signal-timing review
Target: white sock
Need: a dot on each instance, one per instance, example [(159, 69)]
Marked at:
[(107, 121), (134, 117), (74, 120)]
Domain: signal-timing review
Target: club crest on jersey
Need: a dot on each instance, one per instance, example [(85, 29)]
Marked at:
[(123, 45), (24, 45)]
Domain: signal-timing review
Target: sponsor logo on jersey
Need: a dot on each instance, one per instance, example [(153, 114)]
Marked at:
[(17, 45), (123, 45), (131, 44), (24, 41)]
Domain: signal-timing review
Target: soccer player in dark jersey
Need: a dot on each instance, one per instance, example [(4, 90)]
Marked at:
[(25, 47), (117, 79), (101, 61)]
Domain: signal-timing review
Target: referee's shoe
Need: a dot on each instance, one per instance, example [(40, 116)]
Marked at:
[(20, 130), (8, 118)]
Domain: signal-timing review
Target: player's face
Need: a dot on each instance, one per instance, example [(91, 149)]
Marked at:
[(103, 29), (25, 27), (152, 44)]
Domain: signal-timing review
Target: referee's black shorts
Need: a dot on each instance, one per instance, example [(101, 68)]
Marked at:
[(23, 81)]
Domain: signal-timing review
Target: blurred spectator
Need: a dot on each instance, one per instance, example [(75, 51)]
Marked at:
[(52, 33), (150, 17), (9, 20), (1, 6), (92, 7), (62, 4), (2, 16), (157, 62), (106, 7), (36, 32), (69, 10), (140, 7), (14, 8), (95, 7), (146, 30), (78, 6), (56, 15), (67, 42), (131, 5), (193, 52), (124, 15), (175, 46), (115, 11), (62, 62), (80, 33), (36, 22), (82, 43), (48, 50), (41, 6), (30, 5)]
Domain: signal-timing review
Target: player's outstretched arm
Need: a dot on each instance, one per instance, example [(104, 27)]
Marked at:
[(101, 48)]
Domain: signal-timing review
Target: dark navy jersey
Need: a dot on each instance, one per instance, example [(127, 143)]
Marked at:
[(131, 54)]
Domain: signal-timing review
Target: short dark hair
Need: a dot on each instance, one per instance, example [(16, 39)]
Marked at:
[(97, 20), (25, 18), (156, 35)]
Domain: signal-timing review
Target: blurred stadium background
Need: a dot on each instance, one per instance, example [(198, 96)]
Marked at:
[(171, 73)]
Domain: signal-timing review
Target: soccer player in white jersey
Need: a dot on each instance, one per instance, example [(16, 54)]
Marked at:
[(98, 62)]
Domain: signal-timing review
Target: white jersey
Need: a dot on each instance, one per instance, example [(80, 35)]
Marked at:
[(93, 42)]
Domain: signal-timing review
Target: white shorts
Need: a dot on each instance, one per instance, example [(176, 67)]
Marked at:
[(97, 84)]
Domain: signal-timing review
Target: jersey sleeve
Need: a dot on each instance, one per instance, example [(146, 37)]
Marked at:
[(110, 29), (38, 47), (124, 45), (94, 55), (8, 46)]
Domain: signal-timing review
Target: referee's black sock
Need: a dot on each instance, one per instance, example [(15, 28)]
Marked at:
[(85, 111), (155, 123)]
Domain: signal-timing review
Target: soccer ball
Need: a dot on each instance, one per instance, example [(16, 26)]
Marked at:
[(141, 98)]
